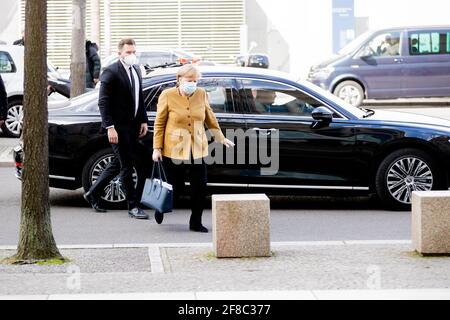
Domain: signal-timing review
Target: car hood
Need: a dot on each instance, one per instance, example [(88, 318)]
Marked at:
[(327, 62), (407, 118)]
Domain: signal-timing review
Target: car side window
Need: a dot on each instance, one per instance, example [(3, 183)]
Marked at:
[(272, 98), (221, 93), (151, 96), (6, 63), (429, 42), (448, 42), (382, 45)]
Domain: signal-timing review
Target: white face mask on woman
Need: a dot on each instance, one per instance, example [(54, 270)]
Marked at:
[(130, 60), (189, 87)]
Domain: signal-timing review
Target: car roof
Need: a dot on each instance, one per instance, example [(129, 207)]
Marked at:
[(225, 70), (401, 28)]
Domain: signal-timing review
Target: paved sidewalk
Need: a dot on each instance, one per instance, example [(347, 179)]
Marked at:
[(308, 270)]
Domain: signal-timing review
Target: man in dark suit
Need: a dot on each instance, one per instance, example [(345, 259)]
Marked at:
[(121, 105), (3, 102)]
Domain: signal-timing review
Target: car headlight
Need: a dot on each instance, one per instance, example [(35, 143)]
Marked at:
[(322, 73)]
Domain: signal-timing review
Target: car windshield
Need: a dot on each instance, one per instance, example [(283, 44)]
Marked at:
[(357, 112), (355, 44)]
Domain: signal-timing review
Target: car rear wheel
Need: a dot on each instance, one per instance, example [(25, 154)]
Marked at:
[(351, 92), (113, 195), (403, 172), (14, 119)]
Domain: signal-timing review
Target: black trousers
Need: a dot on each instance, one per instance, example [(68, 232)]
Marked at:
[(123, 162), (196, 172)]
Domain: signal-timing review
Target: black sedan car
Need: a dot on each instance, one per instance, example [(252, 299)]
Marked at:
[(306, 141)]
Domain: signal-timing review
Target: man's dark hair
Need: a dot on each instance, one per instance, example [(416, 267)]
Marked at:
[(125, 41)]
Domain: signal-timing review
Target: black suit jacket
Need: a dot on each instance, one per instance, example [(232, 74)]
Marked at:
[(3, 100), (116, 102)]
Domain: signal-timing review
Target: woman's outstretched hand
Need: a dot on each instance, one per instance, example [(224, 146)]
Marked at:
[(157, 155), (228, 143)]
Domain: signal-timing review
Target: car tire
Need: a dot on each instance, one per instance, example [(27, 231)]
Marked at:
[(13, 125), (403, 172), (114, 195), (351, 92)]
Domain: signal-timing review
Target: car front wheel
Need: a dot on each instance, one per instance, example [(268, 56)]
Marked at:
[(351, 92), (403, 172), (14, 119), (113, 195)]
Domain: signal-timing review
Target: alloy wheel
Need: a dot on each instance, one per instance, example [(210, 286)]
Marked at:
[(14, 119), (113, 192), (407, 175), (349, 94)]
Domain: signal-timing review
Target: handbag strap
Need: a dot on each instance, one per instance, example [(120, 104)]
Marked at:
[(160, 169)]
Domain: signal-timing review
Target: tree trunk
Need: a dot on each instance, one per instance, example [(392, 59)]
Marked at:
[(107, 27), (95, 21), (36, 238), (78, 59)]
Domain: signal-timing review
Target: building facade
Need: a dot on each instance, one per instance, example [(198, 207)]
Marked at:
[(209, 28)]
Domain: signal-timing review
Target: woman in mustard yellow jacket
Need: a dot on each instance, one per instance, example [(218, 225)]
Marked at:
[(180, 141)]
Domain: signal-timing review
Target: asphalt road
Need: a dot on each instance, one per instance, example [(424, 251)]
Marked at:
[(292, 219)]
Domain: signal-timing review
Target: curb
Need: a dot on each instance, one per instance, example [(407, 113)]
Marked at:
[(210, 244), (6, 157), (406, 103), (389, 294), (6, 164)]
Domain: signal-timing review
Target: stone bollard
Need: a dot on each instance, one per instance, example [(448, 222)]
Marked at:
[(431, 222), (241, 225)]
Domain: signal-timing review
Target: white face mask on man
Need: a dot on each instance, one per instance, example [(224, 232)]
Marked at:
[(130, 60)]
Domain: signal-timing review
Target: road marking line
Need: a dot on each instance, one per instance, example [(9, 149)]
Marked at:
[(156, 264)]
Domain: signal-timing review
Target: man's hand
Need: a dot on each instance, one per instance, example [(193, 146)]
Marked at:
[(143, 131), (96, 81), (2, 122), (112, 136)]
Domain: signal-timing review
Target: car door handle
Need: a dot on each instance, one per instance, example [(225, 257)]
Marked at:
[(265, 131), (398, 60)]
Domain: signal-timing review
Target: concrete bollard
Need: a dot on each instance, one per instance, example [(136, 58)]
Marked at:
[(431, 222), (241, 225)]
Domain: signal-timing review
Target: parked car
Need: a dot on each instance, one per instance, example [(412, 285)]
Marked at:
[(325, 145), (389, 63), (155, 57), (12, 68), (255, 60)]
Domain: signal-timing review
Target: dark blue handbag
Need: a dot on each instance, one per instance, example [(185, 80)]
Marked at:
[(158, 193)]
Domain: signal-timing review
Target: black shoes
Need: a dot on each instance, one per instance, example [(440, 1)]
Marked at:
[(138, 213), (198, 228), (93, 202), (159, 217)]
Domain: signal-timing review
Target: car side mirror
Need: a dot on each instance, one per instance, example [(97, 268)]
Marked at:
[(365, 54), (322, 114)]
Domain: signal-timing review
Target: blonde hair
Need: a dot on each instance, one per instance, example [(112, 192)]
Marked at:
[(187, 70)]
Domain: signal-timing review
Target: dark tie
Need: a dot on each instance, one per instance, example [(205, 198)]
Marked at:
[(133, 85)]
